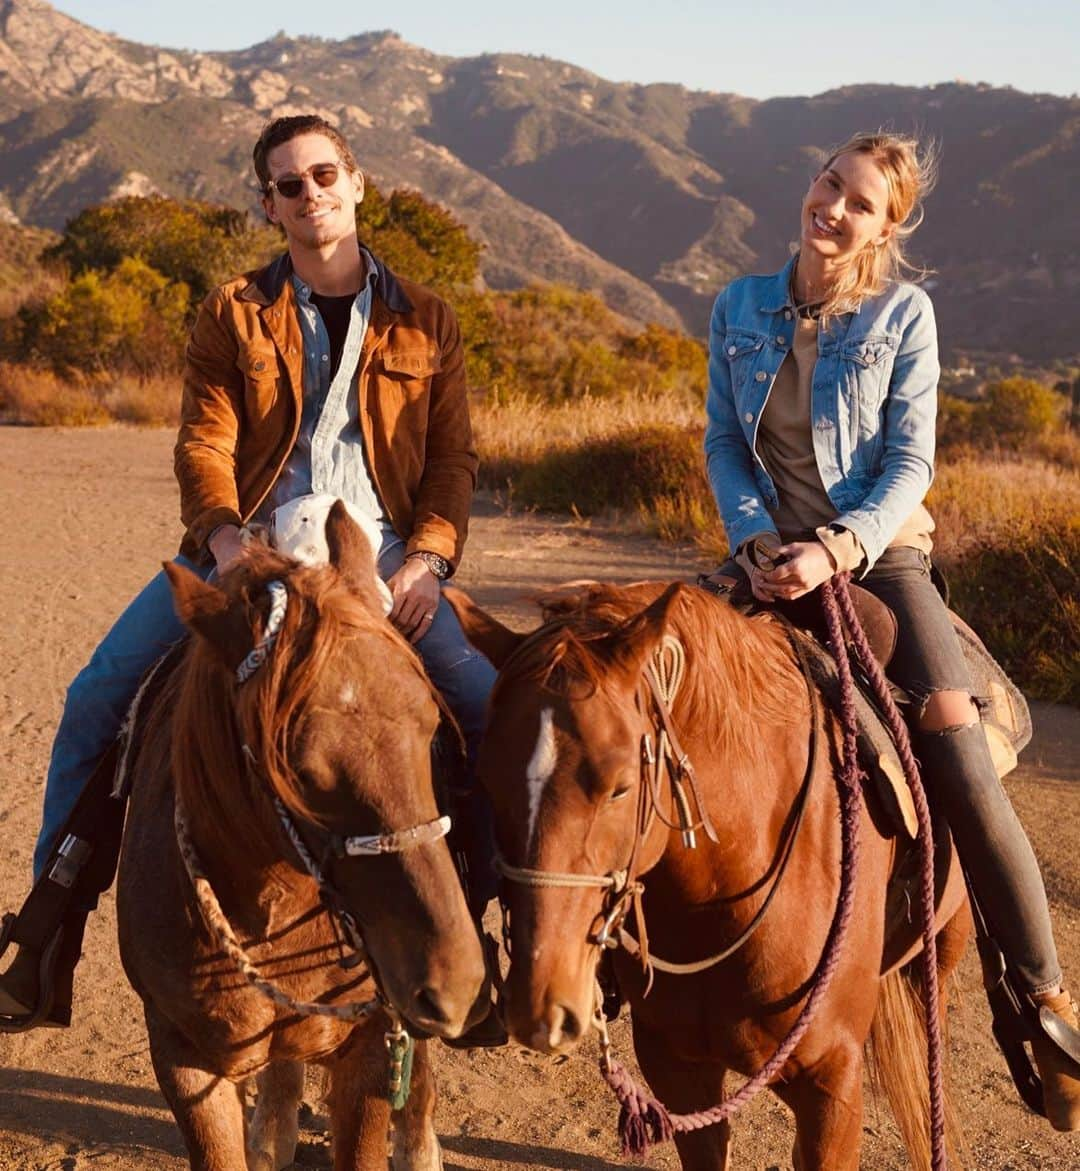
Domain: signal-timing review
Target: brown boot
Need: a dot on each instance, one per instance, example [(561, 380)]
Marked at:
[(1060, 1074)]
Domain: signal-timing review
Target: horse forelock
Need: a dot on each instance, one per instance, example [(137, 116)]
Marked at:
[(740, 671), (215, 718)]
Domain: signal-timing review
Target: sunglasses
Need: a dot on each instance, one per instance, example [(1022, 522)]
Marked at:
[(290, 186)]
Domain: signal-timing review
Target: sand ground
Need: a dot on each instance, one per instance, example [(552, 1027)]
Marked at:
[(87, 516)]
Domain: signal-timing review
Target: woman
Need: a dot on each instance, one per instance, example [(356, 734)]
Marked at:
[(820, 449)]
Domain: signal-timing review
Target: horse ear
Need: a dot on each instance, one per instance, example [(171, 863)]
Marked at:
[(205, 611), (491, 638), (629, 645), (350, 547)]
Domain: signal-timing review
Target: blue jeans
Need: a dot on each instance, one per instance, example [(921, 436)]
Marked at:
[(100, 695)]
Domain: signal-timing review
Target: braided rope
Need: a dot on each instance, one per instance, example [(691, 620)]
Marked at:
[(643, 1120), (259, 653), (898, 729), (221, 930)]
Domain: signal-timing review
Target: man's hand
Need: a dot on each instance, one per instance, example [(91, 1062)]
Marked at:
[(807, 564), (415, 590), (227, 545)]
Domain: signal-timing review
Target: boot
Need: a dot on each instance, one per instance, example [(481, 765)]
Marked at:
[(21, 990), (1060, 1074)]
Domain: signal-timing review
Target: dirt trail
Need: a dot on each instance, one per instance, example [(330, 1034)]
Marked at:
[(87, 515)]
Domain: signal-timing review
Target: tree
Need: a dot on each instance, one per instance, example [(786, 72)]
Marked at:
[(200, 244), (132, 318), (418, 239)]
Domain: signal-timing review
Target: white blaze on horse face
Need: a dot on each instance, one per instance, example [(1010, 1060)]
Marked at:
[(540, 767)]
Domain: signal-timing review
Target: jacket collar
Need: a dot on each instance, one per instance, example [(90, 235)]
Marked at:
[(776, 294), (267, 284)]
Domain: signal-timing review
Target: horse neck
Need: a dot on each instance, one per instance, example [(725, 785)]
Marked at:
[(744, 721)]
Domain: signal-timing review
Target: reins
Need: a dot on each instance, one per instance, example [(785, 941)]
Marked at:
[(643, 1120)]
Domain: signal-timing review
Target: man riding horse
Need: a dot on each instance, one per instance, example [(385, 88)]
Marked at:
[(325, 373)]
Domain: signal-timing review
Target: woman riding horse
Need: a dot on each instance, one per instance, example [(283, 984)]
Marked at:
[(820, 449)]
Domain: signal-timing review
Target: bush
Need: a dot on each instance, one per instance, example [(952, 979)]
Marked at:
[(131, 319), (1018, 411), (418, 239), (629, 471), (198, 244)]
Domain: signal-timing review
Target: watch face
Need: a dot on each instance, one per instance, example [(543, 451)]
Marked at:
[(439, 566)]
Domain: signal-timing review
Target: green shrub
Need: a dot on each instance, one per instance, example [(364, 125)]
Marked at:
[(1017, 411), (199, 244), (1022, 594), (628, 471), (130, 319)]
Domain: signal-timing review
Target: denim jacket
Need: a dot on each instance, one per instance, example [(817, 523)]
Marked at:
[(873, 403)]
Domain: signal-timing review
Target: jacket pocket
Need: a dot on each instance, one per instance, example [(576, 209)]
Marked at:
[(866, 368), (403, 386), (259, 367), (742, 351)]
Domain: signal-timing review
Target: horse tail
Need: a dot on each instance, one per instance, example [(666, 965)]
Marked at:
[(897, 1063)]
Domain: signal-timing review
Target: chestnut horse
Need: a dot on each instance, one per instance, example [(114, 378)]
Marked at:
[(328, 727), (569, 760)]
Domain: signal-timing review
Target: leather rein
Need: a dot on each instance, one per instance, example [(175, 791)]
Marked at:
[(368, 845), (663, 676)]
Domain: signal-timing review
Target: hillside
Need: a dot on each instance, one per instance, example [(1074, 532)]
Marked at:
[(652, 196)]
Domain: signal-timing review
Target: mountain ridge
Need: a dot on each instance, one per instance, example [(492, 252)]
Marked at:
[(653, 196)]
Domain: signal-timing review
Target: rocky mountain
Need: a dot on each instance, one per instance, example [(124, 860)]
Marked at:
[(653, 196)]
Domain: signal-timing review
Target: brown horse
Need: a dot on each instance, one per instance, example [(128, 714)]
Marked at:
[(569, 761), (334, 720)]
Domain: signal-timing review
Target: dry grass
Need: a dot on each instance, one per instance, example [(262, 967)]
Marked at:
[(40, 398)]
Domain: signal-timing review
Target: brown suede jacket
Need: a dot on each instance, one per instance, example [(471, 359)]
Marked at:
[(243, 390)]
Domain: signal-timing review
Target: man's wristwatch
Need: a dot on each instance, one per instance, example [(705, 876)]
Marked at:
[(439, 566)]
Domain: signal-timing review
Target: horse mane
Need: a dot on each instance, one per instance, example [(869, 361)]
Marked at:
[(214, 719), (740, 672)]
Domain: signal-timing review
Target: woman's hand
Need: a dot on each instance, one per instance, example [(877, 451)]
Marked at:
[(805, 565)]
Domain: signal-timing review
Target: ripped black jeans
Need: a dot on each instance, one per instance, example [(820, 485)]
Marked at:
[(961, 781)]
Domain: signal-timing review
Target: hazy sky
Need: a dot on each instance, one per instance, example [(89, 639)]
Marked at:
[(759, 49)]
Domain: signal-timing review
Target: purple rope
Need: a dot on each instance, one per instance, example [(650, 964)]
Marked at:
[(643, 1120), (898, 728)]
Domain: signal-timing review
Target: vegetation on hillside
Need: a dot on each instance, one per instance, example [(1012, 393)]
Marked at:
[(573, 409)]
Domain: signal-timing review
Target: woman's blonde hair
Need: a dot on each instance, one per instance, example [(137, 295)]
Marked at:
[(910, 170)]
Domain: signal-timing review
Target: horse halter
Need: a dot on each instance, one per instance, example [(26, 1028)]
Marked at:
[(368, 845), (663, 675)]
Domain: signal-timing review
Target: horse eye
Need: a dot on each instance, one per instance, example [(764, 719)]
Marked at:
[(619, 793)]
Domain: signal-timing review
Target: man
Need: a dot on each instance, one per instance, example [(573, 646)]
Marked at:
[(322, 372)]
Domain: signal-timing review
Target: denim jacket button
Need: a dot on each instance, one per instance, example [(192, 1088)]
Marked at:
[(761, 376), (731, 351), (781, 340), (749, 416)]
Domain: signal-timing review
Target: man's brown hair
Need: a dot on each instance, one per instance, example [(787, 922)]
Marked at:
[(284, 130)]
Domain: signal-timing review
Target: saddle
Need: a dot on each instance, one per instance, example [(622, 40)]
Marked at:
[(1006, 719), (1003, 710)]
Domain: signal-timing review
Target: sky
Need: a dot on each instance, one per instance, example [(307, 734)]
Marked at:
[(757, 49)]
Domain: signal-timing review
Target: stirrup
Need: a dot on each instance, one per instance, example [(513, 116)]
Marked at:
[(1062, 1034), (39, 1013), (1014, 1022)]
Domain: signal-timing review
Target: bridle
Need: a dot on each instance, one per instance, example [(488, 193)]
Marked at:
[(367, 845), (663, 675)]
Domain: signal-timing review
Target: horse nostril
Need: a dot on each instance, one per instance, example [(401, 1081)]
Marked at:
[(428, 1007), (565, 1027)]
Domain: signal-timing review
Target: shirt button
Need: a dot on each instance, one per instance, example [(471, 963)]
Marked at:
[(749, 416), (731, 350), (761, 376)]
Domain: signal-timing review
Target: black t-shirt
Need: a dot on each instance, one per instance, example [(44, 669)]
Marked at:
[(335, 312)]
